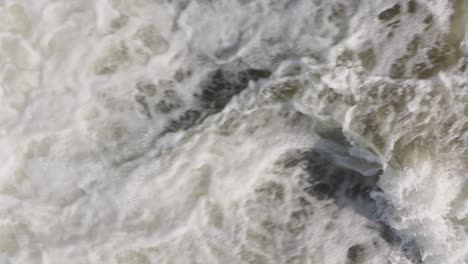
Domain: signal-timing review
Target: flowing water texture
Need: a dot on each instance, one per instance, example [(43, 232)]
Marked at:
[(233, 131)]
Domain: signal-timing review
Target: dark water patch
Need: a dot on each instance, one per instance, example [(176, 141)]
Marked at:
[(412, 6), (188, 119), (297, 221), (394, 24), (368, 58), (458, 22), (345, 57), (286, 90), (356, 254), (462, 68), (330, 95), (390, 13), (326, 179), (169, 102), (423, 71), (150, 105), (445, 51), (413, 46), (398, 68), (217, 89), (332, 133), (221, 85), (410, 249), (141, 100), (439, 56), (428, 19), (182, 74), (148, 89), (271, 191)]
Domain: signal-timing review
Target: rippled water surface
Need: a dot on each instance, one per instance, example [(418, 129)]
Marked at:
[(233, 131)]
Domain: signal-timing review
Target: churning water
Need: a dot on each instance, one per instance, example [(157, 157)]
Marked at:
[(233, 131)]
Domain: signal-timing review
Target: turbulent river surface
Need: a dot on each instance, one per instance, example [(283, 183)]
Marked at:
[(233, 131)]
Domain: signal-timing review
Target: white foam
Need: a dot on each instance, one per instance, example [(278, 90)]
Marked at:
[(87, 176)]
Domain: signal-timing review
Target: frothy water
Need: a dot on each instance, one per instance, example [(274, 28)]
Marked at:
[(272, 131)]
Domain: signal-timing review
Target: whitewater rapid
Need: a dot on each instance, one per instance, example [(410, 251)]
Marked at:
[(233, 131)]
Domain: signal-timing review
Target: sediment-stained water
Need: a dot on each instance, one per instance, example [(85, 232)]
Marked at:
[(270, 131)]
